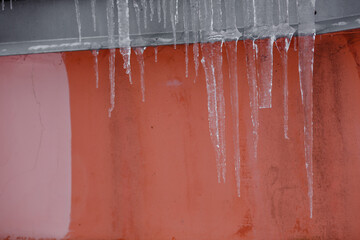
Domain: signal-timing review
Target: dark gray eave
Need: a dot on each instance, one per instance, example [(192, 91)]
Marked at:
[(38, 26)]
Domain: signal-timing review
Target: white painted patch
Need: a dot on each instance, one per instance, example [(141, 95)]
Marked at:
[(339, 24), (55, 46), (173, 83)]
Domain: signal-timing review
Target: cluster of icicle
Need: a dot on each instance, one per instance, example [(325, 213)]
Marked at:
[(204, 19)]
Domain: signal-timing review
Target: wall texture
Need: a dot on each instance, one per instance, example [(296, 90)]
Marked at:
[(149, 171), (35, 146)]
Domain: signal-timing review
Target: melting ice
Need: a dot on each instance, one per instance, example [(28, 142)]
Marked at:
[(266, 23)]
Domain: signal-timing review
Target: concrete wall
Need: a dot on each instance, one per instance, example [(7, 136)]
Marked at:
[(149, 172)]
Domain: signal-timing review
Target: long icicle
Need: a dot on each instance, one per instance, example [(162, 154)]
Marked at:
[(233, 34), (306, 42), (231, 52), (250, 49), (286, 31), (213, 114)]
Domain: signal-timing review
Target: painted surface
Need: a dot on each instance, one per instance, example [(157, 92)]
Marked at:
[(149, 171), (35, 147)]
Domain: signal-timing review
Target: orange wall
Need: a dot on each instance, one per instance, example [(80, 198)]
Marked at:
[(149, 171)]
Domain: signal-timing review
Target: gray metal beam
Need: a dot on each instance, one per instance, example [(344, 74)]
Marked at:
[(36, 26)]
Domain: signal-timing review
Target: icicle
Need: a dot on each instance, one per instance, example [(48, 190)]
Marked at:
[(126, 53), (232, 32), (265, 71), (213, 114), (139, 51), (216, 33), (306, 43), (93, 13), (231, 52), (124, 37), (159, 10), (11, 5), (176, 11), (152, 10), (212, 63), (196, 58), (156, 53), (137, 13), (206, 20), (96, 66), (284, 30), (306, 58), (110, 22), (164, 11), (286, 93), (186, 37), (194, 10), (111, 41), (259, 25), (3, 5), (186, 60), (144, 7), (123, 23), (172, 19), (112, 80), (250, 49), (77, 11)]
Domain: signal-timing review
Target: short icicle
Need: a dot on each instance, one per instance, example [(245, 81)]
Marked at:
[(124, 34), (173, 20), (93, 13), (112, 80), (144, 8), (164, 8), (111, 42), (152, 9), (77, 12), (158, 10), (96, 66), (156, 53), (186, 37), (139, 51), (137, 14), (194, 11)]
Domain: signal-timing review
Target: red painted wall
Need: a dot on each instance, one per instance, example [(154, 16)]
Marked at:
[(149, 171)]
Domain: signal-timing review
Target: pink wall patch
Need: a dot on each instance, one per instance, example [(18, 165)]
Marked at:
[(35, 147)]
